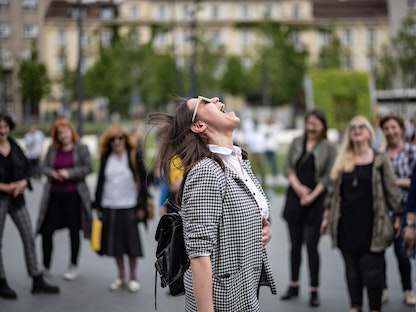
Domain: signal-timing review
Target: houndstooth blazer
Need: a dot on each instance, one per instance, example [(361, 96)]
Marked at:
[(222, 219)]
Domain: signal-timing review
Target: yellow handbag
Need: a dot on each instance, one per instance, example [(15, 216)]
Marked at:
[(96, 228)]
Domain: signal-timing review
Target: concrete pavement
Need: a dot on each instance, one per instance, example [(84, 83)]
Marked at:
[(90, 291)]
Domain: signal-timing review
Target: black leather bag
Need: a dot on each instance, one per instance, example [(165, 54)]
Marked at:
[(171, 258)]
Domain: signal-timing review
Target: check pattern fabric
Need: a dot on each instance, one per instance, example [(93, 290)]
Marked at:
[(21, 219), (221, 219), (403, 164)]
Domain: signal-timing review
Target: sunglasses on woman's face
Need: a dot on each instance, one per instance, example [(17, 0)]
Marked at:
[(200, 99), (114, 138), (358, 126)]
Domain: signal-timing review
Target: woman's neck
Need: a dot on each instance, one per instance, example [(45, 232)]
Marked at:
[(363, 153), (221, 140), (67, 147)]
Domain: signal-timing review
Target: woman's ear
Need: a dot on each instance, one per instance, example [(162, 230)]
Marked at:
[(198, 126)]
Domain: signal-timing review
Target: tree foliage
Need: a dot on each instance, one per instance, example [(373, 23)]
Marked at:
[(330, 54), (34, 83), (234, 80), (385, 69), (404, 46)]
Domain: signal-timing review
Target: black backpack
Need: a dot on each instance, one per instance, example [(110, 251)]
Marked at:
[(171, 258)]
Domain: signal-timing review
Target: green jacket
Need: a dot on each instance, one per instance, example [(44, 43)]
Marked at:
[(385, 199), (324, 153)]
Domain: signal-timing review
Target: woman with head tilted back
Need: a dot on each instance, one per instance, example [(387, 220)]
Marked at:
[(225, 211), (362, 192)]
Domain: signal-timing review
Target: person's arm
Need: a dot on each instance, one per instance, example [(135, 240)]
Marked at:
[(202, 283), (409, 233)]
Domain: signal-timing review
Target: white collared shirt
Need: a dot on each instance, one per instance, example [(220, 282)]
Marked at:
[(233, 160)]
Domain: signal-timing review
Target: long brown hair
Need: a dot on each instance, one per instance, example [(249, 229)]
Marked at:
[(112, 131), (62, 122), (177, 140)]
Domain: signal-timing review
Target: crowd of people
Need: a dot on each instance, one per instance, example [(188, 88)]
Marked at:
[(362, 193)]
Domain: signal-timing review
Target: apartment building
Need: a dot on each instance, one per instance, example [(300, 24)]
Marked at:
[(21, 23), (363, 26)]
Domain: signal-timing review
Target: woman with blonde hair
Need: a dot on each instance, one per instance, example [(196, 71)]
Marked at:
[(66, 199), (356, 216), (120, 200)]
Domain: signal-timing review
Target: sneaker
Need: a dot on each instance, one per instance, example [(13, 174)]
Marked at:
[(117, 284), (72, 273), (409, 297), (133, 286), (385, 296)]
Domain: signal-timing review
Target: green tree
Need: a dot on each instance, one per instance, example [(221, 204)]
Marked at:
[(126, 69), (404, 46), (280, 66), (234, 79), (34, 83), (385, 69), (330, 54)]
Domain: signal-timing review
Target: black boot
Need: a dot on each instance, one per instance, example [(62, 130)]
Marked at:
[(41, 286), (5, 290), (290, 292), (314, 299)]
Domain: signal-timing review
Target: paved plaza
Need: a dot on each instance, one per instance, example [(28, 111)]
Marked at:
[(90, 291)]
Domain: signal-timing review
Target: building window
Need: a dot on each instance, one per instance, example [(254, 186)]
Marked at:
[(244, 12), (161, 12), (371, 37), (61, 38), (216, 39), (348, 64), (30, 30), (411, 4), (134, 37), (347, 38), (187, 38), (26, 54), (76, 10), (84, 39), (4, 30), (4, 5), (60, 65), (245, 39), (106, 37), (186, 12), (268, 11), (6, 56), (371, 64), (247, 63), (29, 5), (161, 40), (107, 13), (296, 40), (215, 12), (134, 13), (324, 38), (296, 12)]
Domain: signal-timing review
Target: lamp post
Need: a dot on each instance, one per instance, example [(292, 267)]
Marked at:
[(194, 48), (80, 91)]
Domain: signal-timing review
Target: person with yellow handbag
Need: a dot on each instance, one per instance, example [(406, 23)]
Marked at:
[(121, 201)]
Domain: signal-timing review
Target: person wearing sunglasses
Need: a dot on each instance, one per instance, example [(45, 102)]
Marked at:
[(224, 209), (403, 158), (121, 201), (65, 202), (362, 192)]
